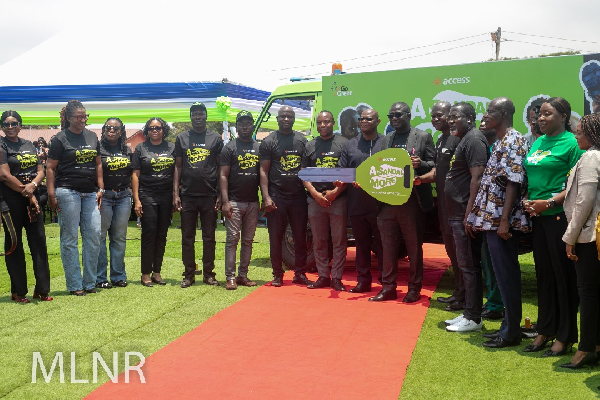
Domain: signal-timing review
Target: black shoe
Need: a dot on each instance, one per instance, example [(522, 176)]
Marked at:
[(590, 359), (301, 279), (91, 291), (499, 343), (361, 287), (411, 297), (147, 284), (319, 283), (187, 282), (210, 281), (551, 353), (337, 285), (491, 335), (532, 348), (78, 292), (277, 281), (446, 300), (455, 306), (384, 295), (104, 285), (159, 282), (491, 315), (119, 284)]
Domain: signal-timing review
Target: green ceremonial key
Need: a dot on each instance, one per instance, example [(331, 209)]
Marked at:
[(387, 175)]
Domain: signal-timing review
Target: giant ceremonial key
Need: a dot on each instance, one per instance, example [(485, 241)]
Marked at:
[(386, 175)]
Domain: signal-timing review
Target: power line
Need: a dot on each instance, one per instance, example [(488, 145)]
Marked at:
[(401, 59), (421, 55), (380, 54), (539, 44), (548, 37)]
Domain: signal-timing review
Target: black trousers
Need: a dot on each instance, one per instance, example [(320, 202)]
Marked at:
[(366, 237), (406, 219), (296, 212), (191, 206), (156, 218), (588, 285), (556, 279), (36, 239)]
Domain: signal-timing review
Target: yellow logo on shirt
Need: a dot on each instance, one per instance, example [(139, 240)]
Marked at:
[(247, 160), (197, 154), (290, 162), (27, 160), (161, 163), (116, 163), (327, 162), (85, 156)]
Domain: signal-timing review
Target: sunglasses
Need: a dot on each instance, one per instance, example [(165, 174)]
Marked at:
[(109, 128), (9, 124), (395, 115), (155, 128), (366, 119)]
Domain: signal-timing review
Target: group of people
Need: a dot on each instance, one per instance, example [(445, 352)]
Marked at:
[(497, 190), (493, 185)]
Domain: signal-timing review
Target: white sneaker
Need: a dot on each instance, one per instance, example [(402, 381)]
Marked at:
[(454, 320), (465, 325)]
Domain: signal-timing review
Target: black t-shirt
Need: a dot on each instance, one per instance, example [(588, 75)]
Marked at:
[(156, 164), (353, 154), (323, 154), (242, 157), (472, 151), (444, 150), (199, 152), (116, 166), (76, 155), (285, 153), (22, 161)]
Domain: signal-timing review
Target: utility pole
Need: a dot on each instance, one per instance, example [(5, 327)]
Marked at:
[(496, 38)]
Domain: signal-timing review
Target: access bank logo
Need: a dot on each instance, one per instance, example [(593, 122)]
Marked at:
[(452, 81), (340, 90)]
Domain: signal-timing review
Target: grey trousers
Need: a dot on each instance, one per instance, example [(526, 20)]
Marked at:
[(324, 220), (243, 221)]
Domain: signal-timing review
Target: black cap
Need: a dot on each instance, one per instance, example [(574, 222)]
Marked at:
[(197, 106), (244, 114)]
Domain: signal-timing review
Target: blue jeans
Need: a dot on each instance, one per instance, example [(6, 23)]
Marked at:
[(243, 221), (78, 210), (116, 207)]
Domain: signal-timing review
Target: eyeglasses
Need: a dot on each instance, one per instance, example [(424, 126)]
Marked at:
[(366, 119), (109, 128), (80, 118), (9, 124), (155, 128), (395, 115), (454, 117)]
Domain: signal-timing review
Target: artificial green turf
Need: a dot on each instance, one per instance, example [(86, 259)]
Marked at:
[(131, 319), (449, 365)]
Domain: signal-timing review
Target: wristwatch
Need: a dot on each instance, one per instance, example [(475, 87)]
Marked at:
[(551, 203), (101, 191)]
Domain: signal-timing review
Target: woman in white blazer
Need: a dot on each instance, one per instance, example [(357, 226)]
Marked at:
[(581, 205)]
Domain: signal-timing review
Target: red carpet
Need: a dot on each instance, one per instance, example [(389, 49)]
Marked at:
[(292, 343)]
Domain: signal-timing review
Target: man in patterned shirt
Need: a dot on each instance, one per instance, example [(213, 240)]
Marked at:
[(497, 211)]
